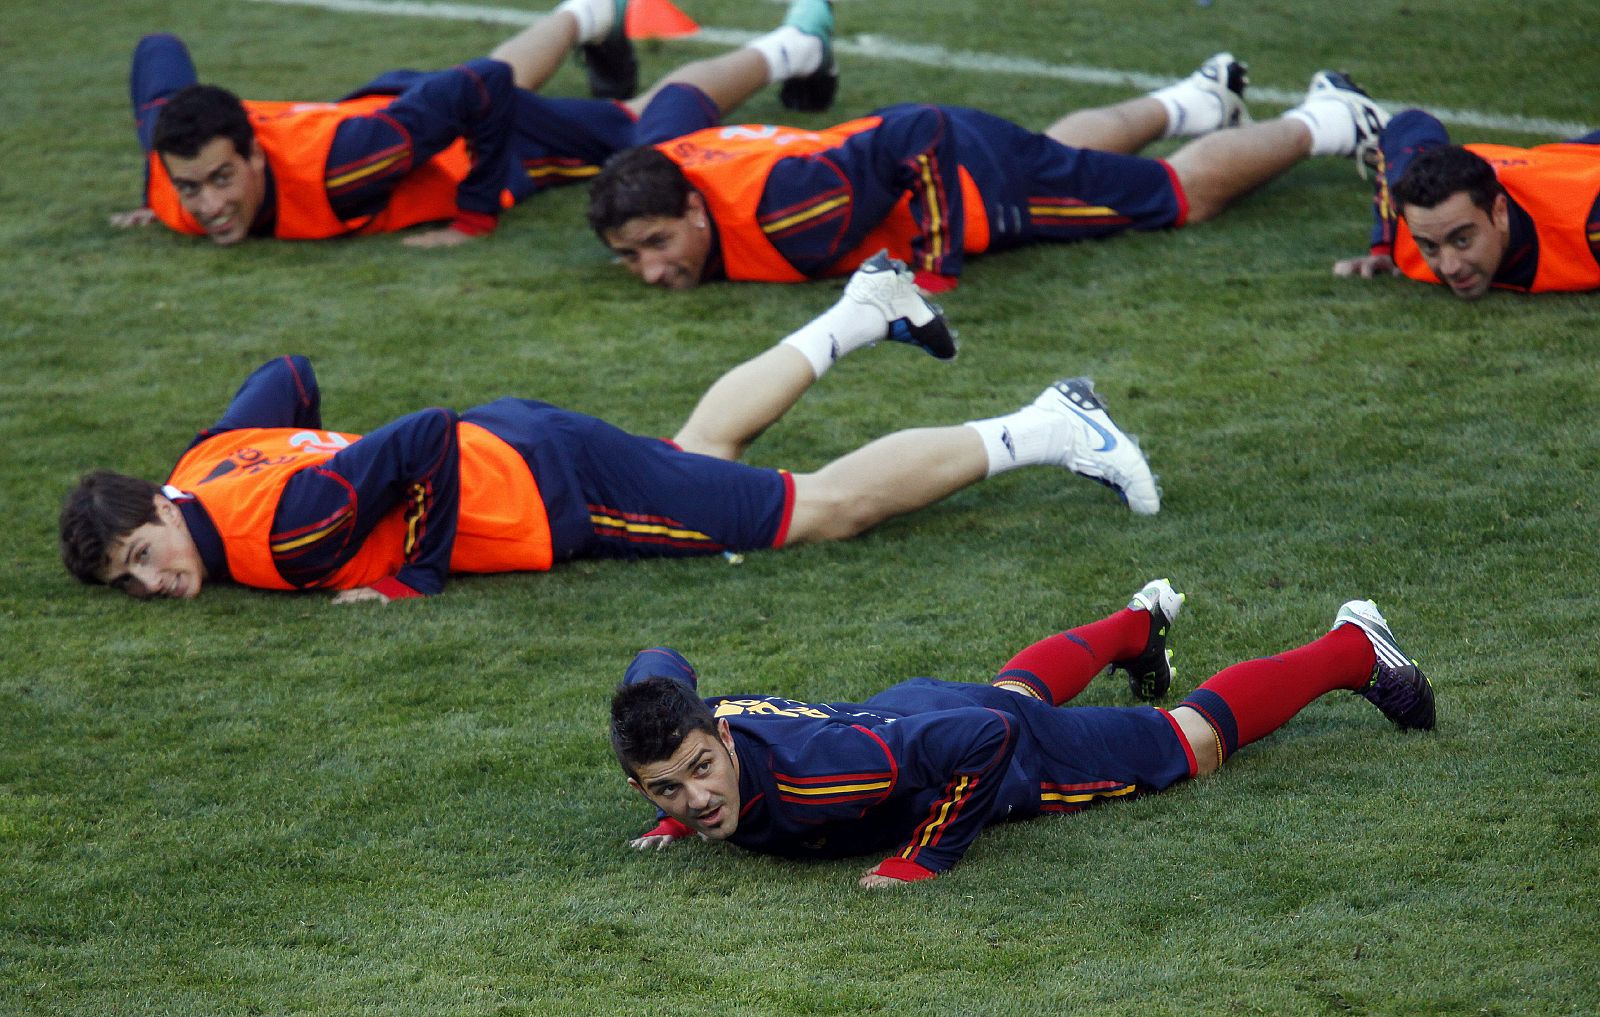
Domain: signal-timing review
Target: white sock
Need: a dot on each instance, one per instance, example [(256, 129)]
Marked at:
[(1024, 438), (595, 17), (845, 327), (1333, 129), (789, 52), (1191, 110)]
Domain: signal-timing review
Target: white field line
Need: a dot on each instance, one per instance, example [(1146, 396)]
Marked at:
[(881, 48)]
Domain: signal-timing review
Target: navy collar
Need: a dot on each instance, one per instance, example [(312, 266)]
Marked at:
[(714, 267), (266, 221), (1521, 261), (753, 815), (206, 539)]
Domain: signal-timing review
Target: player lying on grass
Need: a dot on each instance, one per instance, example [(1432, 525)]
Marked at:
[(1479, 216), (934, 184), (919, 769), (457, 145), (267, 498)]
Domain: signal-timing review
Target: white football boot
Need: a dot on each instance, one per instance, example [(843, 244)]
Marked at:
[(887, 286), (1366, 116), (1210, 99), (1086, 441), (1150, 673)]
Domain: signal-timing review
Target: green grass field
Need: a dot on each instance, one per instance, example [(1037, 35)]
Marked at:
[(263, 804)]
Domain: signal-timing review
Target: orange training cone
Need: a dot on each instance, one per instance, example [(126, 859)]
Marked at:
[(656, 19)]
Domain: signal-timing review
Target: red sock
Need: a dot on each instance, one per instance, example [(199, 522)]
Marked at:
[(1251, 700), (1058, 668)]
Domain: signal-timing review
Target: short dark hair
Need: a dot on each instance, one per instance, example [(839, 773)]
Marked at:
[(102, 509), (197, 113), (637, 183), (651, 718), (1435, 174)]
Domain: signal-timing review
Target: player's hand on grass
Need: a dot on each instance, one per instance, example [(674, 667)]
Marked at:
[(133, 218), (444, 236), (1367, 266), (875, 880), (646, 843), (894, 871), (360, 595), (661, 835)]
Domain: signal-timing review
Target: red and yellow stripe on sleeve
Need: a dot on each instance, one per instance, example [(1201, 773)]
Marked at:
[(815, 210), (942, 816), (552, 170), (936, 208), (833, 788), (392, 161)]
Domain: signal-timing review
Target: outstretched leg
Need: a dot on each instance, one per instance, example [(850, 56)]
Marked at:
[(801, 48), (880, 302), (537, 52), (1123, 127), (1250, 700), (894, 475), (595, 26), (1056, 669), (1337, 118), (1208, 100), (1067, 426), (1218, 169), (744, 402), (727, 80)]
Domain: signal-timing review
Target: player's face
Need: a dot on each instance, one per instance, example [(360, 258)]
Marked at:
[(666, 251), (699, 785), (1461, 242), (221, 188), (157, 559)]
